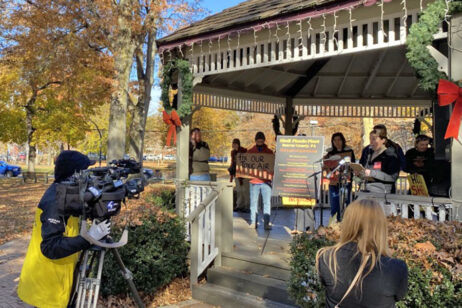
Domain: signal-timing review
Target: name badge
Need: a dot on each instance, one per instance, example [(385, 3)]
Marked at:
[(378, 165)]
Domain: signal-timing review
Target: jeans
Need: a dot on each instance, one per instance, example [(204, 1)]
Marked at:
[(200, 177), (255, 190), (334, 199)]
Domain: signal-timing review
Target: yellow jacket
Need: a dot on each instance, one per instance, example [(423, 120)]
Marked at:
[(44, 282)]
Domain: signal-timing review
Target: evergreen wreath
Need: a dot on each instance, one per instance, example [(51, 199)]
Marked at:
[(420, 36), (182, 66)]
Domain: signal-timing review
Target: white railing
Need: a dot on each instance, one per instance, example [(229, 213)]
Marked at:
[(400, 205), (204, 206)]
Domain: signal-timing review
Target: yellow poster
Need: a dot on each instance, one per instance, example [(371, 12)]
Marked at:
[(417, 185)]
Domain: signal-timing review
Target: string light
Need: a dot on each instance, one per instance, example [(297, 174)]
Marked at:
[(335, 28), (229, 44), (405, 13), (181, 51), (301, 33), (351, 19), (255, 36), (202, 52), (288, 30), (381, 18), (310, 28), (210, 46), (324, 35), (276, 34), (238, 38)]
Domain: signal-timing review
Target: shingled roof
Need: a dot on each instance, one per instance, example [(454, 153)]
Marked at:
[(247, 13)]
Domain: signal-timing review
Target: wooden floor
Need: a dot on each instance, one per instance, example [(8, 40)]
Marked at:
[(272, 245)]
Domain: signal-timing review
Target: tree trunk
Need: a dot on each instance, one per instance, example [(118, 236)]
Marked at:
[(123, 48), (30, 129), (141, 109)]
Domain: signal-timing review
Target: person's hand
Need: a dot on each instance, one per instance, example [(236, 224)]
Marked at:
[(98, 231), (367, 172)]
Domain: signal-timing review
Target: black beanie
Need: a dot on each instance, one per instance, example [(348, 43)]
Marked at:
[(237, 141), (69, 162), (260, 135)]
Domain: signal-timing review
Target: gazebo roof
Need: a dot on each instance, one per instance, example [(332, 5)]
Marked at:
[(254, 14)]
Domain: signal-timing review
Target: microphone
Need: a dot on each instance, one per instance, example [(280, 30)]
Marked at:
[(340, 163)]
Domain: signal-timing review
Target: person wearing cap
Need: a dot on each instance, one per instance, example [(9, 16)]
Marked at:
[(48, 271), (259, 186), (242, 185)]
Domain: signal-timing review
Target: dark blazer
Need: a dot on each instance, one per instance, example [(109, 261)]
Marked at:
[(382, 288)]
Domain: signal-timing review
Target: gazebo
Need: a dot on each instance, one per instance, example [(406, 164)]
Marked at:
[(325, 58)]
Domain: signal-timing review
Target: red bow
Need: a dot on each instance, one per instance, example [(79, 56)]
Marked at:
[(449, 93), (173, 121)]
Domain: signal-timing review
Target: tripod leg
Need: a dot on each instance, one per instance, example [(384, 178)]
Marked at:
[(129, 277), (81, 281), (98, 280)]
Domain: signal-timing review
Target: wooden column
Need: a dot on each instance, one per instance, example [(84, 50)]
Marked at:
[(455, 73), (289, 116), (182, 156)]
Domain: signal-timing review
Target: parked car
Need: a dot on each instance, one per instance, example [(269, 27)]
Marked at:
[(169, 157), (9, 170), (153, 157), (219, 159)]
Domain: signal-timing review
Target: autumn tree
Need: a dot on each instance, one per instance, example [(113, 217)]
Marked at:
[(58, 74)]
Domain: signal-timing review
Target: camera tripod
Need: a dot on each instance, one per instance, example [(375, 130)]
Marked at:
[(344, 191), (87, 283)]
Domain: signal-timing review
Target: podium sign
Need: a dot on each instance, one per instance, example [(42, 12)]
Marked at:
[(297, 159)]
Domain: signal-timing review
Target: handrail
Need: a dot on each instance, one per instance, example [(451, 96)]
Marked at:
[(405, 198), (209, 199)]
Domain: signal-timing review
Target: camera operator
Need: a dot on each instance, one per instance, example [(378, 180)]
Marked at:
[(48, 271)]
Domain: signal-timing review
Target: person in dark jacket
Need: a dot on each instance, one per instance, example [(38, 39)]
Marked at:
[(242, 184), (47, 273), (390, 143), (358, 271), (421, 159), (382, 166), (199, 155), (340, 149), (259, 186)]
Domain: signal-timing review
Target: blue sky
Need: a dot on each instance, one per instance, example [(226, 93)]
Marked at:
[(214, 6)]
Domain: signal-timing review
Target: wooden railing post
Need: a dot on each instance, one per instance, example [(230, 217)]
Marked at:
[(194, 252), (224, 218)]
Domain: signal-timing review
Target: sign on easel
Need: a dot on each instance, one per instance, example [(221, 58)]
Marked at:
[(255, 165), (297, 160)]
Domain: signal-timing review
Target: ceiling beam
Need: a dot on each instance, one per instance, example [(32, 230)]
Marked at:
[(398, 73), (374, 72), (340, 88), (310, 73)]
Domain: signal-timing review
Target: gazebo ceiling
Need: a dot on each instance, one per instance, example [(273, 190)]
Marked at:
[(378, 74)]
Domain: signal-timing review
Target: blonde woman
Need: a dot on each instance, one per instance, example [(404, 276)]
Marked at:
[(358, 271)]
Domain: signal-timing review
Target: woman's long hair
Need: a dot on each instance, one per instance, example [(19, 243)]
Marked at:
[(365, 224), (341, 138)]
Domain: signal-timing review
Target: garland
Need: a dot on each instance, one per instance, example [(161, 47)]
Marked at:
[(420, 36), (182, 67)]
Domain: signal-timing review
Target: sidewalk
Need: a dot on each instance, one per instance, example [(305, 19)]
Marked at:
[(11, 258)]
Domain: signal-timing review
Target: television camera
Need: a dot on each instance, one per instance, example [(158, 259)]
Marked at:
[(97, 194)]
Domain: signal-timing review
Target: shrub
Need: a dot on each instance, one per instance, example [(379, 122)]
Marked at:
[(156, 254), (304, 285), (432, 251), (162, 196)]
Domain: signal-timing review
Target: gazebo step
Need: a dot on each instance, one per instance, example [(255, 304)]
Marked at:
[(227, 298), (262, 266), (260, 286)]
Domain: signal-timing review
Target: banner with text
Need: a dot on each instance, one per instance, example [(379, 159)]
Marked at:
[(297, 160), (255, 165)]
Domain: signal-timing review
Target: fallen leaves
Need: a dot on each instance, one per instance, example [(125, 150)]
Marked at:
[(17, 207)]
